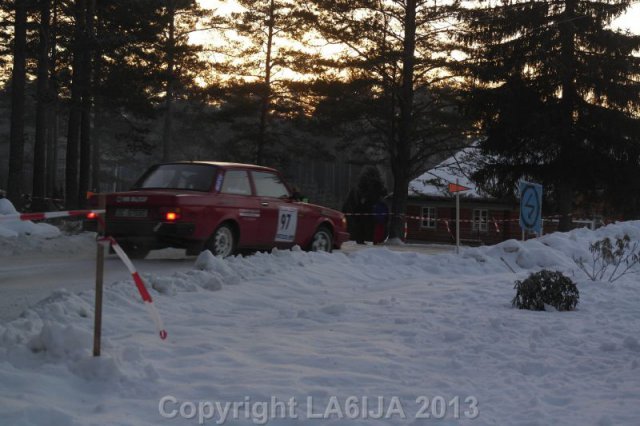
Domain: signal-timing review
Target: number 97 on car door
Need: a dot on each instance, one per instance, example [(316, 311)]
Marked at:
[(287, 224)]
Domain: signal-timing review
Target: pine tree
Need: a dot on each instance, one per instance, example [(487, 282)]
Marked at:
[(18, 77), (53, 111), (181, 61), (264, 58), (75, 107), (84, 172), (397, 105), (42, 108), (557, 91)]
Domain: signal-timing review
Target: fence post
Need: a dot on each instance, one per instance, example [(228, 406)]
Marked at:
[(457, 219), (97, 324)]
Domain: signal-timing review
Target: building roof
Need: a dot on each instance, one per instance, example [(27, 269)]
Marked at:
[(455, 169)]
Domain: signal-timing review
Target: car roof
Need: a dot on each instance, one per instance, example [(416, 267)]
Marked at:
[(226, 165)]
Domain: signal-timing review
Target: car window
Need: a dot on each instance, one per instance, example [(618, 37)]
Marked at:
[(195, 177), (236, 182), (269, 185)]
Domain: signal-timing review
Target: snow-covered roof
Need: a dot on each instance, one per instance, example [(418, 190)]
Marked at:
[(457, 168)]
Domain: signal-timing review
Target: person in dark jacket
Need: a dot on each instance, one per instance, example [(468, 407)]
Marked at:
[(381, 219), (360, 203)]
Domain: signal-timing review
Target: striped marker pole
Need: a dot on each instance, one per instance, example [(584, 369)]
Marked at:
[(47, 215), (446, 223), (495, 223), (146, 297)]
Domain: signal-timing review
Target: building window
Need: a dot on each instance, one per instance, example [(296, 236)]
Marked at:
[(428, 218), (480, 219)]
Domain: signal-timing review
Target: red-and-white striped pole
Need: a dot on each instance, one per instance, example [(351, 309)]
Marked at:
[(137, 279), (495, 223), (46, 215)]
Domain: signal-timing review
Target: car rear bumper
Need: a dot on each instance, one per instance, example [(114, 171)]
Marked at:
[(153, 234)]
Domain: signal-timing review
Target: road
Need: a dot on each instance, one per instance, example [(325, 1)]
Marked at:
[(25, 280), (30, 277), (351, 246)]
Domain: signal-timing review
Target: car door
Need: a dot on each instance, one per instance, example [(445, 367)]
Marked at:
[(237, 202), (278, 216)]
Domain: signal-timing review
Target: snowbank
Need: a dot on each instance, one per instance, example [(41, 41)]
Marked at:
[(19, 228), (372, 323)]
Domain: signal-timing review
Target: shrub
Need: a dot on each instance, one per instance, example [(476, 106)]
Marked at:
[(546, 288), (619, 256)]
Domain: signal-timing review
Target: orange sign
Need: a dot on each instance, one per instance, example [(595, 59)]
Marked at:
[(454, 187)]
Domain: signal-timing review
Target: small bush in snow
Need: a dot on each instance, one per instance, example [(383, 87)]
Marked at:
[(619, 256), (546, 288)]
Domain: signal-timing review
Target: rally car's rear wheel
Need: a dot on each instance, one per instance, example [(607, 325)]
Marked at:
[(223, 242), (135, 250)]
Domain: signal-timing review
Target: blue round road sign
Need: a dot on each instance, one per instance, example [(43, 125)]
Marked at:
[(531, 206)]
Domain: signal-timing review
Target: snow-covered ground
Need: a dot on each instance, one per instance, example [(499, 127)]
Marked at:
[(32, 266), (321, 328)]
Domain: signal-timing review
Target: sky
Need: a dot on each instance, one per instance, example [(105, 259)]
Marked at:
[(630, 21)]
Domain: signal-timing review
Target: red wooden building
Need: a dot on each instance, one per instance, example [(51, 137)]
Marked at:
[(482, 220), (431, 209)]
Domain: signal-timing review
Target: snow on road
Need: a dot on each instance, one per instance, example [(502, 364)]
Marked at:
[(29, 272), (31, 267), (373, 322), (351, 246)]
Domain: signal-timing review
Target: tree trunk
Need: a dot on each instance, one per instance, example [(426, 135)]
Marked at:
[(564, 195), (568, 104), (42, 110), (266, 96), (52, 152), (399, 200), (401, 158), (167, 130), (95, 139), (52, 134), (18, 75), (75, 112), (85, 126)]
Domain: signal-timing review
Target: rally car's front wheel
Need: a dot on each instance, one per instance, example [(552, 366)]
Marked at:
[(322, 240)]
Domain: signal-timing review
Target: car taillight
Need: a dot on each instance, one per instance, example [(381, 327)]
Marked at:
[(92, 215), (170, 214), (344, 221)]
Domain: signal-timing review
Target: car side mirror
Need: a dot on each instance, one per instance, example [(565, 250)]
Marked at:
[(297, 196)]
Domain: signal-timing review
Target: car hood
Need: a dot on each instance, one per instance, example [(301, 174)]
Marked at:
[(326, 211)]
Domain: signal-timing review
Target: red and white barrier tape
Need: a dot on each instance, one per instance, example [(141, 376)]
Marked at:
[(405, 216), (553, 217), (46, 215), (144, 293)]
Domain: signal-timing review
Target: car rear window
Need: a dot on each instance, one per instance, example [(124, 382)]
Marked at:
[(193, 177)]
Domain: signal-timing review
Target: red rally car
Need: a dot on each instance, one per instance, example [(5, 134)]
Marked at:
[(222, 207)]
